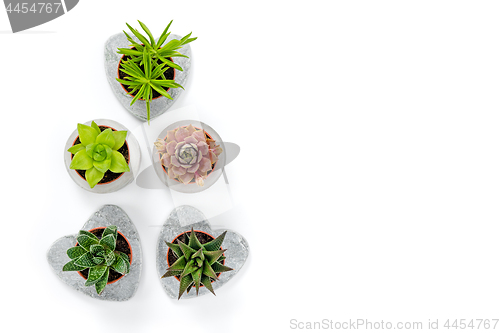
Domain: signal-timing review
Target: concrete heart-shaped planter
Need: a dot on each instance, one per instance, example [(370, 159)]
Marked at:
[(158, 105), (125, 287), (182, 219)]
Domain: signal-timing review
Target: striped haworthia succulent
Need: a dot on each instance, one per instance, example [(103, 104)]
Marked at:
[(99, 256), (197, 264)]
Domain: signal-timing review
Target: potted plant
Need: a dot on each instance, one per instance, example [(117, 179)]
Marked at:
[(101, 156), (106, 253), (187, 155), (190, 254), (101, 256), (196, 259), (146, 70)]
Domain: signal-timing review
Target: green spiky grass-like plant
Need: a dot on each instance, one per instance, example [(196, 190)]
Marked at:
[(197, 264), (97, 152), (148, 62), (99, 256)]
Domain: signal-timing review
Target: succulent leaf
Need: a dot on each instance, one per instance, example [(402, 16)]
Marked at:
[(76, 148), (96, 249), (86, 260), (91, 235), (106, 138), (145, 28), (81, 161), (110, 257), (98, 260), (126, 260), (96, 127), (190, 268), (207, 283), (75, 252), (213, 256), (171, 273), (111, 230), (215, 244), (194, 243), (101, 284), (89, 149), (197, 279), (176, 248), (93, 176), (220, 268), (179, 264), (71, 266), (208, 271), (199, 254), (188, 252), (109, 241), (86, 241), (119, 265), (118, 163), (95, 274), (102, 166), (185, 282), (119, 137), (87, 134)]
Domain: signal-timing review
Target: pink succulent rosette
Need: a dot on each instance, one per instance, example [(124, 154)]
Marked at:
[(188, 154)]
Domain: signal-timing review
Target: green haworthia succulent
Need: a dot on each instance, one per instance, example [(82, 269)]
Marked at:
[(197, 264), (99, 256), (97, 152)]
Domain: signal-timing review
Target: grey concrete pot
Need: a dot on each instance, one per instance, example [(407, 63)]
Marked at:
[(125, 287), (182, 219), (158, 105)]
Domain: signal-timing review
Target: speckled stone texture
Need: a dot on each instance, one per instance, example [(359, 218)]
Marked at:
[(124, 288), (159, 105), (182, 219)]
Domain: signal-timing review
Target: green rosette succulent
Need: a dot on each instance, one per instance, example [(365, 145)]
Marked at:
[(99, 256), (197, 264), (97, 152)]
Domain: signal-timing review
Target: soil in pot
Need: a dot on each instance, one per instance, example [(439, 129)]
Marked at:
[(109, 176), (203, 237), (122, 245), (169, 75), (193, 181)]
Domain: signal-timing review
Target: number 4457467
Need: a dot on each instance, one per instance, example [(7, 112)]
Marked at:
[(40, 7)]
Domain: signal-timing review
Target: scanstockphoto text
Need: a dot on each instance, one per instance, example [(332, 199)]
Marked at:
[(366, 324)]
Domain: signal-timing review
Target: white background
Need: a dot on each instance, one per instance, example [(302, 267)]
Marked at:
[(367, 184)]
